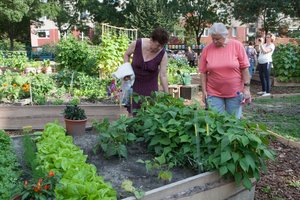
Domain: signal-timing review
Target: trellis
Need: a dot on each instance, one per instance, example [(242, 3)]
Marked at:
[(131, 33)]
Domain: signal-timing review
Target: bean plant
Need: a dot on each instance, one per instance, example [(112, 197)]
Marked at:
[(202, 139)]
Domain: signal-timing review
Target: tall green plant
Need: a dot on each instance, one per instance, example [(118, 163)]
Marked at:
[(112, 49), (286, 61), (76, 55)]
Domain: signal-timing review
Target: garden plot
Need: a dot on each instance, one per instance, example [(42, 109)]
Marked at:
[(116, 170)]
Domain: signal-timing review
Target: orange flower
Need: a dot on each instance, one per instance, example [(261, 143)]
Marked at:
[(51, 173), (14, 85), (36, 189), (4, 84)]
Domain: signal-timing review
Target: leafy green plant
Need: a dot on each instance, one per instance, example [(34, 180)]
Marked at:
[(113, 138), (235, 148), (127, 185), (74, 112), (160, 164), (112, 49), (56, 152), (9, 167), (76, 55), (286, 61)]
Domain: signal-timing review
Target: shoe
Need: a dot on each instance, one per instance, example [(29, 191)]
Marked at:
[(260, 93), (266, 95)]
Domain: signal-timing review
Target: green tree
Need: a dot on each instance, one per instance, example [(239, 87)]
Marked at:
[(272, 13), (147, 15), (199, 15), (15, 18), (107, 11)]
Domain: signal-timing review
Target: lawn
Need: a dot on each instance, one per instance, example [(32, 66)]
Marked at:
[(281, 115)]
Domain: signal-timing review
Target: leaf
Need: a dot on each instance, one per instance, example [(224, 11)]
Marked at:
[(269, 154), (247, 183), (235, 156), (244, 165), (131, 137), (139, 194), (238, 178), (165, 141), (225, 156), (184, 138), (231, 168), (225, 142), (250, 161), (245, 140), (161, 159), (122, 150), (223, 170)]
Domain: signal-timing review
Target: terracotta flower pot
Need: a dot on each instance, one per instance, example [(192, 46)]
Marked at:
[(75, 127)]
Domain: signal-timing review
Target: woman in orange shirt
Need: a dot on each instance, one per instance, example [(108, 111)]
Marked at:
[(224, 72)]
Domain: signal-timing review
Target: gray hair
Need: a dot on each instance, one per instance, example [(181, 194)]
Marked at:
[(218, 28)]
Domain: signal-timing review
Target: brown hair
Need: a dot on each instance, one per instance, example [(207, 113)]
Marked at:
[(251, 43), (160, 35), (271, 36)]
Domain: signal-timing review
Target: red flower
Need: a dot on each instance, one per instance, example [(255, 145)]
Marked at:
[(47, 187)]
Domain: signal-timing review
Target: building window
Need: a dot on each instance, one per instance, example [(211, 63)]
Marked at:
[(234, 31), (43, 34), (205, 32)]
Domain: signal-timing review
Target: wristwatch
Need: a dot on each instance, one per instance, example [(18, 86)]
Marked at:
[(247, 84)]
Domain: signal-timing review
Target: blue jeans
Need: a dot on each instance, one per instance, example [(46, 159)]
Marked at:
[(264, 76), (251, 67), (232, 105)]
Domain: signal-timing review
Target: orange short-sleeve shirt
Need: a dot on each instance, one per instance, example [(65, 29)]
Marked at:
[(222, 66)]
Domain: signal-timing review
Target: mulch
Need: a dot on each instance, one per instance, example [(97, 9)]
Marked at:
[(282, 179)]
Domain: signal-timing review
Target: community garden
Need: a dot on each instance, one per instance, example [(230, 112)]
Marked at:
[(167, 141)]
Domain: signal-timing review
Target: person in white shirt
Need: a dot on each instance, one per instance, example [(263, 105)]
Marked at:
[(265, 63)]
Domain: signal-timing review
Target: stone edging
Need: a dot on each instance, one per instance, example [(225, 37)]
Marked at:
[(285, 141)]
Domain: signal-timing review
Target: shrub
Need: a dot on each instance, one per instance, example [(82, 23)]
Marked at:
[(286, 61)]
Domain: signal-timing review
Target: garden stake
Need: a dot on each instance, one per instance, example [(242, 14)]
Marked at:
[(30, 91), (199, 164), (71, 84)]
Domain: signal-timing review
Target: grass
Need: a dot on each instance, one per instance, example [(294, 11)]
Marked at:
[(281, 115)]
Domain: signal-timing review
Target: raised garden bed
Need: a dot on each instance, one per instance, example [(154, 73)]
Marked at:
[(185, 184), (16, 117)]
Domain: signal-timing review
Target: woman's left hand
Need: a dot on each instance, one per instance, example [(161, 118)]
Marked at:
[(247, 94)]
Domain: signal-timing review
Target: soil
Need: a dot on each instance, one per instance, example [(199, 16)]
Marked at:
[(282, 180), (115, 170)]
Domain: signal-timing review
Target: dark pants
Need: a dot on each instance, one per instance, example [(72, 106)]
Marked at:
[(264, 75), (192, 63)]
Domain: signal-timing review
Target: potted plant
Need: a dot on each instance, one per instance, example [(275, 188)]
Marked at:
[(75, 119)]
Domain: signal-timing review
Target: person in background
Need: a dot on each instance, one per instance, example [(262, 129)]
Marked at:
[(265, 63), (252, 55), (224, 73), (190, 56), (148, 62)]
